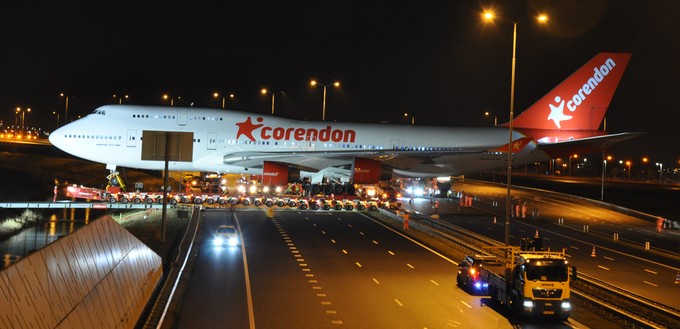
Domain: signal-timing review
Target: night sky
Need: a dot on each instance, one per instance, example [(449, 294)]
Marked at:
[(435, 60)]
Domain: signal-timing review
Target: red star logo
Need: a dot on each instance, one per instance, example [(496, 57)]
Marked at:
[(246, 128)]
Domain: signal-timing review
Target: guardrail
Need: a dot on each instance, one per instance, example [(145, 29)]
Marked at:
[(633, 308)]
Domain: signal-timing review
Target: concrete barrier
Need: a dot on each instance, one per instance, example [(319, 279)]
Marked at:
[(100, 276)]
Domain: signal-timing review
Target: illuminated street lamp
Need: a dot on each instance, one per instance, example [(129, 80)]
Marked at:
[(628, 163), (120, 98), (575, 156), (16, 116), (413, 118), (264, 91), (604, 172), (489, 16), (314, 83), (172, 99), (660, 165), (495, 118), (224, 98), (65, 107), (23, 115), (57, 115)]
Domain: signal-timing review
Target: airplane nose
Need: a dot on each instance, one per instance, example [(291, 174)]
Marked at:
[(57, 138)]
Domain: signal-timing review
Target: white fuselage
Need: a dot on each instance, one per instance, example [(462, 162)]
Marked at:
[(222, 142)]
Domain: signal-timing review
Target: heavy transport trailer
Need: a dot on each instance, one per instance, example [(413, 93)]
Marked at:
[(532, 283), (113, 195)]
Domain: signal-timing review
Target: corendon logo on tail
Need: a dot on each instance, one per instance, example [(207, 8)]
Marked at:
[(557, 110), (328, 134)]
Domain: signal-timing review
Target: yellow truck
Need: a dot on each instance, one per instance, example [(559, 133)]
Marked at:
[(530, 282)]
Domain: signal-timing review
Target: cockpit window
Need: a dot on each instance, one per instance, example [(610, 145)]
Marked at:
[(98, 111)]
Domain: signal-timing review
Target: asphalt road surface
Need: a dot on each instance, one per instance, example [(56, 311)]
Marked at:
[(319, 269)]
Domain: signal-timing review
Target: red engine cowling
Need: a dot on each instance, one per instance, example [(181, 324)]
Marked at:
[(365, 171), (278, 174)]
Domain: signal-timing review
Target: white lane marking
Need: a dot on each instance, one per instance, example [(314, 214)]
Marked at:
[(375, 242), (362, 233), (604, 268), (323, 232), (344, 251), (313, 281), (650, 271), (608, 258), (434, 282), (306, 270), (320, 295), (333, 240), (466, 304), (316, 287), (249, 295), (302, 265), (309, 275), (390, 252), (412, 240), (331, 312), (358, 264), (325, 303), (398, 302), (300, 259), (292, 248), (651, 284), (409, 265), (336, 321), (376, 281), (350, 225)]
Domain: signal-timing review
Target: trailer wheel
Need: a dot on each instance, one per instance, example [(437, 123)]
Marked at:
[(292, 204), (338, 207), (112, 200), (221, 201), (124, 200), (148, 200), (372, 208), (338, 189), (210, 201), (233, 202), (136, 200), (257, 203), (280, 203), (184, 200), (349, 207), (361, 207), (303, 206), (245, 202), (315, 189), (173, 201), (198, 201), (315, 206), (327, 190)]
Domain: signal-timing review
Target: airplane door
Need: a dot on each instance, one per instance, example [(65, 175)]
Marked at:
[(182, 114), (212, 141), (131, 138), (394, 143)]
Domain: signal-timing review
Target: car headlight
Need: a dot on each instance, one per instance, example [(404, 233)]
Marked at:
[(218, 241), (232, 241), (566, 305), (528, 304)]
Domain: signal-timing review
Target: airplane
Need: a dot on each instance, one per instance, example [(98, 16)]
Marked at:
[(564, 121)]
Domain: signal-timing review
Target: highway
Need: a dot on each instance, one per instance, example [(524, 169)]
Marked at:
[(626, 265), (325, 270)]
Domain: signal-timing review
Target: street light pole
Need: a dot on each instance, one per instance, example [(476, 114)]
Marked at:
[(660, 165), (314, 83), (264, 92), (489, 16), (66, 108)]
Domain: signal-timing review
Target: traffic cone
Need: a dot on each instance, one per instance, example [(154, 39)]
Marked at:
[(677, 278), (536, 235), (592, 254)]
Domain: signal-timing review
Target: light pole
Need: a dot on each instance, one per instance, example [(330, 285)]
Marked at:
[(65, 107), (495, 118), (660, 165), (413, 118), (628, 163), (224, 98), (23, 116), (57, 115), (264, 91), (314, 83), (172, 99), (120, 98), (489, 16), (16, 116), (571, 156)]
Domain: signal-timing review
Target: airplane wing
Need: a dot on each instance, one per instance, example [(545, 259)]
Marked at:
[(588, 144)]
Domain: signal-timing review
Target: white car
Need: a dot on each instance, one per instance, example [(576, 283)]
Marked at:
[(226, 235)]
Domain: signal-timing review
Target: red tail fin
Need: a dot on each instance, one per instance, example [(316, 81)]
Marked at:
[(580, 101)]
